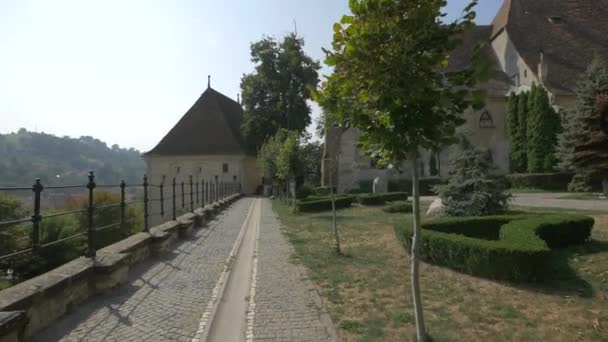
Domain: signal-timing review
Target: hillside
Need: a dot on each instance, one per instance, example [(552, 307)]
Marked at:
[(25, 156)]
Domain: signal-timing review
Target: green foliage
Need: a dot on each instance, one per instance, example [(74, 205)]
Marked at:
[(398, 207), (380, 199), (384, 86), (304, 191), (275, 95), (508, 247), (312, 154), (544, 181), (10, 236), (25, 156), (405, 185), (341, 202), (53, 256), (107, 216), (470, 191), (581, 182), (521, 139), (289, 159), (543, 127), (518, 145), (583, 144)]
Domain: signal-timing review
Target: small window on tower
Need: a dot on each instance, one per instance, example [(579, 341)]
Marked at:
[(485, 120), (225, 168)]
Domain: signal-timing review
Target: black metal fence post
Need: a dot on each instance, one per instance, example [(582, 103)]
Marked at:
[(162, 199), (36, 218), (91, 211), (174, 216), (191, 195), (197, 193), (183, 196), (146, 214), (123, 204)]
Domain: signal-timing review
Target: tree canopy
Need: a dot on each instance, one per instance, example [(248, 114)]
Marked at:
[(275, 95), (391, 81), (25, 156), (583, 145)]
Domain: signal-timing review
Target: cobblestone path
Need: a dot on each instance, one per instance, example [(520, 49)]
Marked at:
[(164, 298), (287, 306)]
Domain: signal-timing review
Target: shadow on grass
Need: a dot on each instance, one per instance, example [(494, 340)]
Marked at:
[(563, 280)]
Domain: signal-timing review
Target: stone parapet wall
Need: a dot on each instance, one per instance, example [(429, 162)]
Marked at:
[(29, 307)]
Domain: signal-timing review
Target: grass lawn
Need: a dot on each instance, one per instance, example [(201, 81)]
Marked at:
[(367, 291)]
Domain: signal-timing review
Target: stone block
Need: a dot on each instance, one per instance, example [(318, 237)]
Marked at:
[(111, 271), (12, 324)]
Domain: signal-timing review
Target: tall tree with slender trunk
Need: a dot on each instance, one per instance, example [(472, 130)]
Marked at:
[(391, 81), (275, 95), (585, 139)]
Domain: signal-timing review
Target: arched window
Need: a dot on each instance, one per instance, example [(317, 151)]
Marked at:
[(485, 120)]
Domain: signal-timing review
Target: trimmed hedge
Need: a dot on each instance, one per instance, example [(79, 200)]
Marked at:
[(508, 247), (324, 204), (380, 199), (398, 207), (543, 181), (405, 185)]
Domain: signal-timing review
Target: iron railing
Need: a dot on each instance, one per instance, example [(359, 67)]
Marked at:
[(201, 193)]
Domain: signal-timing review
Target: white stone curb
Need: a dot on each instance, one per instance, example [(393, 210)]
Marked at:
[(218, 291), (254, 275)]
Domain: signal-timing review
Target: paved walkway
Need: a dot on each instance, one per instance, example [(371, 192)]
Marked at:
[(288, 308), (550, 200), (166, 298)]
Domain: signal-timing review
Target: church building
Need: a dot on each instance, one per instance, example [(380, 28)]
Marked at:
[(206, 144), (544, 42)]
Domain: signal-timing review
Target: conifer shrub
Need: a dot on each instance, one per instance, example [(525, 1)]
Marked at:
[(470, 190), (515, 247)]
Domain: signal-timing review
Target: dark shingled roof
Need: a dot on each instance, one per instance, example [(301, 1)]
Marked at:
[(499, 83), (210, 127), (568, 43)]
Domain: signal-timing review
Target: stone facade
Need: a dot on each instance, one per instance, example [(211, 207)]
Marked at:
[(487, 128), (235, 169)]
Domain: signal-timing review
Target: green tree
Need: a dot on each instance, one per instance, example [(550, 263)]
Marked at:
[(588, 131), (275, 95), (107, 215), (312, 154), (522, 132), (542, 131), (470, 190), (515, 153), (11, 236), (391, 81)]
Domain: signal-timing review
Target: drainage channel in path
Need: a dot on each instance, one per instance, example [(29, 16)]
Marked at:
[(229, 316)]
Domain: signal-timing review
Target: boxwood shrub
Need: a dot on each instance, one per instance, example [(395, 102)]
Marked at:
[(324, 204), (380, 199), (509, 247), (398, 207)]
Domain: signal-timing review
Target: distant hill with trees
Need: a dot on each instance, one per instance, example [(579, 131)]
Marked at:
[(25, 156)]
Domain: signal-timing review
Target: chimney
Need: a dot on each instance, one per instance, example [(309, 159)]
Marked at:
[(208, 81), (238, 98), (542, 68)]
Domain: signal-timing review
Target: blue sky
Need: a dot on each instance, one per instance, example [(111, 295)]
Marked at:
[(125, 71)]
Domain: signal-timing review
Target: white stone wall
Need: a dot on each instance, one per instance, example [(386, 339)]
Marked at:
[(241, 168), (511, 62)]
